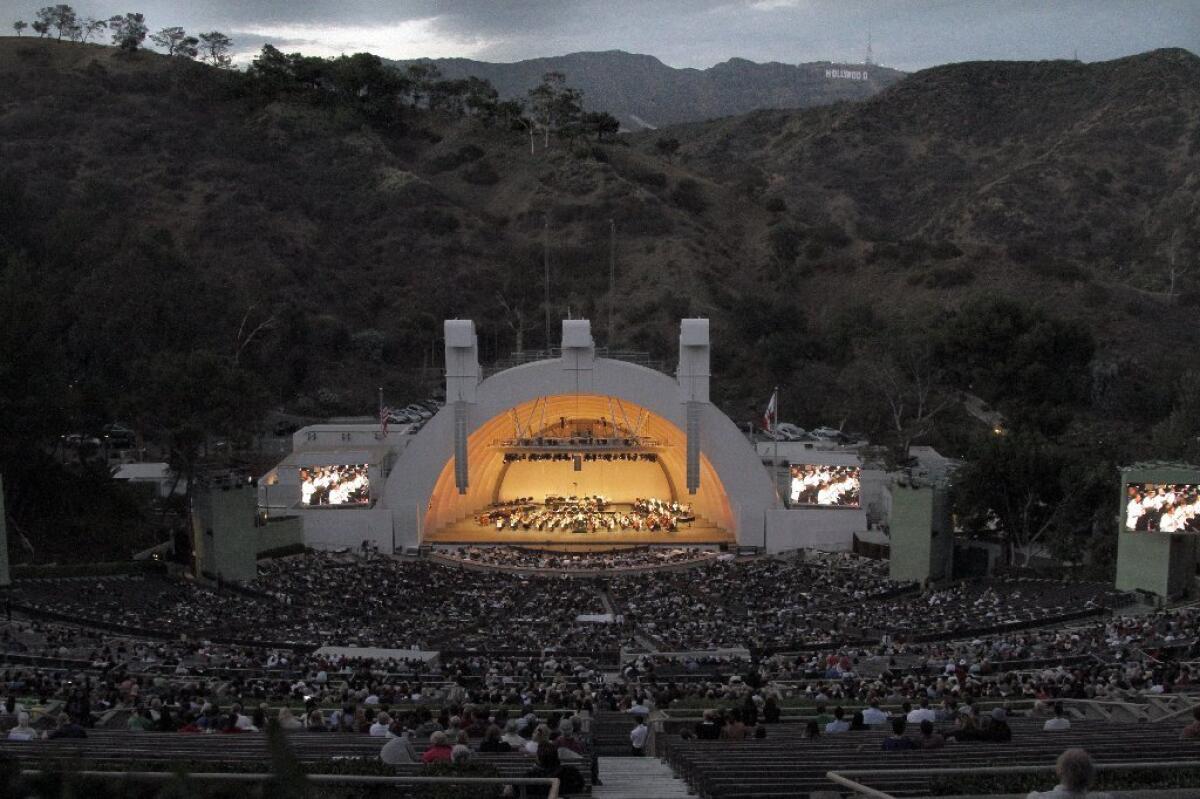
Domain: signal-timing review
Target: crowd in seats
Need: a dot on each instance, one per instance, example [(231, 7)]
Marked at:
[(612, 560), (322, 599), (779, 603)]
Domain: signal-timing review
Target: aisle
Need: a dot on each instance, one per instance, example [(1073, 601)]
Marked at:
[(637, 778)]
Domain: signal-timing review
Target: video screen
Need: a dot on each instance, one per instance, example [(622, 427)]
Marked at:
[(1162, 508), (331, 486), (826, 486)]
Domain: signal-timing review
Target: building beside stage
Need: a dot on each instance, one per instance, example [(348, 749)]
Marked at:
[(525, 440)]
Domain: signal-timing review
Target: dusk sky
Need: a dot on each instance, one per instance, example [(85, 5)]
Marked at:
[(906, 34)]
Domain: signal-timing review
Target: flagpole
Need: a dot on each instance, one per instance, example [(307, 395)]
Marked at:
[(775, 431)]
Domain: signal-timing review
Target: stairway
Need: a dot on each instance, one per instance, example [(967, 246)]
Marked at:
[(637, 778), (610, 734)]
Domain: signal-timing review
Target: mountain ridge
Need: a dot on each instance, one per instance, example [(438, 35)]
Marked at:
[(641, 90)]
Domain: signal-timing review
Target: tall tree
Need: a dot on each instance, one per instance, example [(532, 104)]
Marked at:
[(554, 106), (215, 47), (61, 18), (898, 368), (20, 25), (422, 77), (1023, 486), (176, 41), (91, 27), (128, 31), (41, 28)]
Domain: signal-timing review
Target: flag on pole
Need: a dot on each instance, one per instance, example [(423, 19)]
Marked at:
[(771, 416), (385, 414)]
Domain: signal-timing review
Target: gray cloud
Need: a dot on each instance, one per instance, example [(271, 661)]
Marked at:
[(909, 34)]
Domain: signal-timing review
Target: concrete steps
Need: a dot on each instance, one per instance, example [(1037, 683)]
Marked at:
[(637, 778)]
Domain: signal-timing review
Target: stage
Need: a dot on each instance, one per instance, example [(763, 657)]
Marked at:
[(468, 531)]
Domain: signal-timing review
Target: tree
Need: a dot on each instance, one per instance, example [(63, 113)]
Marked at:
[(176, 42), (481, 100), (20, 25), (602, 123), (900, 369), (1176, 267), (422, 77), (91, 27), (40, 28), (1025, 487), (129, 31), (60, 17), (555, 106), (215, 46)]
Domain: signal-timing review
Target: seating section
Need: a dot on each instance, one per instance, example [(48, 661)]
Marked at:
[(110, 749), (787, 765)]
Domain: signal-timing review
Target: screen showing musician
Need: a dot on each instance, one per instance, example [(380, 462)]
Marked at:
[(1162, 508), (333, 486), (825, 486)]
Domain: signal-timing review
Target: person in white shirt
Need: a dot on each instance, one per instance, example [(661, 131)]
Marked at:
[(1059, 722), (1075, 773), (873, 716), (380, 728), (637, 737), (23, 731), (922, 713), (839, 723)]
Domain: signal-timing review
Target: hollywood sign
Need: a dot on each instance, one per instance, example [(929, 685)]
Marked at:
[(847, 74)]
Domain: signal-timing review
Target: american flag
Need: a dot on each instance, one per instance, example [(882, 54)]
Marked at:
[(385, 414), (771, 415)]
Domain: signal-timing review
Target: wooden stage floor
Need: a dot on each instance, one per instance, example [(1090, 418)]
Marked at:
[(468, 532)]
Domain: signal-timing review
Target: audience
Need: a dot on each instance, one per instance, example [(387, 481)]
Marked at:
[(1075, 774)]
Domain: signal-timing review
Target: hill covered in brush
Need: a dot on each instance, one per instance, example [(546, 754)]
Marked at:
[(185, 248)]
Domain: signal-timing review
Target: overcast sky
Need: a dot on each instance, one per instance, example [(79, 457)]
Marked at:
[(906, 34)]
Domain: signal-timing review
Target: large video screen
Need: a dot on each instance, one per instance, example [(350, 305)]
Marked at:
[(826, 486), (1162, 508), (338, 485)]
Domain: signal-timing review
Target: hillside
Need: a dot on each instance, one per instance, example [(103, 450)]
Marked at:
[(643, 92), (184, 249)]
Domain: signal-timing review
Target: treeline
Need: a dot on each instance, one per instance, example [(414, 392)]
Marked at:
[(129, 32), (384, 93)]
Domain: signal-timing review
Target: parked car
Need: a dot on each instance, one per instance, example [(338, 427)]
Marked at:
[(790, 432), (827, 434), (420, 411)]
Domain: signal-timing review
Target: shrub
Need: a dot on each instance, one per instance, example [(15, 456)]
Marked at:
[(480, 173), (689, 196)]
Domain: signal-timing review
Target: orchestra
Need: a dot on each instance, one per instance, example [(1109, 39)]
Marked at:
[(825, 485), (1168, 508), (334, 485), (586, 515)]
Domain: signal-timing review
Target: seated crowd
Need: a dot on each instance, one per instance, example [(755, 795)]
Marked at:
[(780, 603)]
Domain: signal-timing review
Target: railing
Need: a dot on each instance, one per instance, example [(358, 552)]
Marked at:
[(846, 778), (521, 783)]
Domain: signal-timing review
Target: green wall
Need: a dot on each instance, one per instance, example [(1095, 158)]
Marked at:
[(1163, 564), (922, 544)]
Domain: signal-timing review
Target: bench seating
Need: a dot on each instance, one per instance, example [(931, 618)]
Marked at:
[(786, 764)]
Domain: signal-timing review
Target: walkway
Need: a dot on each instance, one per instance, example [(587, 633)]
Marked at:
[(637, 778)]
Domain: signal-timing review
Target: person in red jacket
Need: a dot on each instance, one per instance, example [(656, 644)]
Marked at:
[(439, 750)]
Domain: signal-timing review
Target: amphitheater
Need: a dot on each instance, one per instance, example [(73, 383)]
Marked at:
[(573, 546)]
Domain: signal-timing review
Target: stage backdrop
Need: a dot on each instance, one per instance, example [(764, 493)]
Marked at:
[(619, 481)]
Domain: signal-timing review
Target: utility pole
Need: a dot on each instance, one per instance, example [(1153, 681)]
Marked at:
[(612, 277), (546, 277)]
